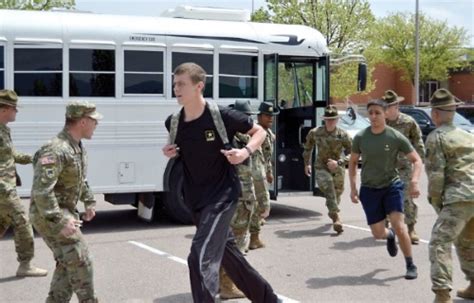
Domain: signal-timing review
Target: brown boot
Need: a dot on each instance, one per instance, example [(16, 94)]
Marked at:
[(228, 290), (467, 293), (27, 270), (442, 296), (336, 222), (412, 233), (255, 242)]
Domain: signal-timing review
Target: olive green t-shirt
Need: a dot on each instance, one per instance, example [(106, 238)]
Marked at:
[(379, 155)]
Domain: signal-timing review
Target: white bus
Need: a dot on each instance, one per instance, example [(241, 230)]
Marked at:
[(124, 65)]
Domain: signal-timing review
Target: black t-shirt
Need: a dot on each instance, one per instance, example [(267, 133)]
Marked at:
[(208, 177)]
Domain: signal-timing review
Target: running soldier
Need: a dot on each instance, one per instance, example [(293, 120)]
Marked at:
[(410, 129), (333, 145)]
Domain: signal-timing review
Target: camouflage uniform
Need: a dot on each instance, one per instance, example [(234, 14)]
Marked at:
[(330, 146), (262, 159), (11, 210), (450, 169), (59, 182), (245, 206), (410, 129)]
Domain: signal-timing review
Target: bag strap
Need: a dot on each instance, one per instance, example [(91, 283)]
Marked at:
[(218, 122), (174, 127)]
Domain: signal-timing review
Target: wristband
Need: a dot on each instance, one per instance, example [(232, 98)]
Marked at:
[(248, 149)]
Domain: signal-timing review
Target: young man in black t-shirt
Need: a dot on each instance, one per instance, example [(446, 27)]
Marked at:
[(212, 188)]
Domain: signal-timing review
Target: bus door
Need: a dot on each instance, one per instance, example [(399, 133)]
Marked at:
[(299, 90)]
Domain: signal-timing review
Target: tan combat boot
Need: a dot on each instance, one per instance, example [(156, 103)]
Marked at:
[(27, 270), (228, 290), (442, 296), (255, 242), (412, 233), (467, 293), (336, 222)]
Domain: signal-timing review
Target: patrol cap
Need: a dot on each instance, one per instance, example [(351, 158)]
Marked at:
[(8, 97), (391, 97), (268, 108), (330, 112), (443, 98), (243, 106), (80, 109)]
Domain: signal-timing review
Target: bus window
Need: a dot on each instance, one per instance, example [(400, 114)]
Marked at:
[(2, 68), (204, 60), (143, 72), (92, 73), (295, 84), (38, 72), (238, 76)]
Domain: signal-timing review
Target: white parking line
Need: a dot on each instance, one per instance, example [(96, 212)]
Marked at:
[(184, 262), (159, 252), (368, 229)]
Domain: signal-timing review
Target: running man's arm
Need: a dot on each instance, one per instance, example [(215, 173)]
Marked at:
[(353, 161)]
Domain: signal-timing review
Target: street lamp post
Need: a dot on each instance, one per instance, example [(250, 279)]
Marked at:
[(417, 56)]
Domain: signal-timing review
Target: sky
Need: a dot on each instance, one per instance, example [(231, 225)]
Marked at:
[(456, 12)]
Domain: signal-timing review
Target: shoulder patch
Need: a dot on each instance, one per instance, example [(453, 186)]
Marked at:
[(47, 160)]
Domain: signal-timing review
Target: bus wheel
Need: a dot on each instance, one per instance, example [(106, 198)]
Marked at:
[(173, 198)]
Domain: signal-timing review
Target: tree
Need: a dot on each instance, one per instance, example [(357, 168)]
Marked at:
[(344, 23), (441, 46), (41, 5)]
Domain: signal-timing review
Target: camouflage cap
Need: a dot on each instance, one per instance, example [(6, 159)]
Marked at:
[(8, 97), (443, 98), (330, 112), (81, 109), (268, 108), (391, 97)]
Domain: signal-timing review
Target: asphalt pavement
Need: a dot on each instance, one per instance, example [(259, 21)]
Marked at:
[(304, 260)]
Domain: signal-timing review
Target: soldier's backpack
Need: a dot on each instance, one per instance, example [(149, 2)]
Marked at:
[(216, 117)]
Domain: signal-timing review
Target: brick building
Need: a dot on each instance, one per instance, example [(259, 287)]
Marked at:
[(460, 83)]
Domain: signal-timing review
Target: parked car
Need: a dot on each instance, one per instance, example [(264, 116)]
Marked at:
[(422, 116), (467, 111), (352, 122)]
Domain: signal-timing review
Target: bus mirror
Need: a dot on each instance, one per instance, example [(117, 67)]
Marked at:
[(362, 77)]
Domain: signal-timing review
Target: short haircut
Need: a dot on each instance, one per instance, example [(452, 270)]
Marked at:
[(378, 102), (195, 72), (71, 122)]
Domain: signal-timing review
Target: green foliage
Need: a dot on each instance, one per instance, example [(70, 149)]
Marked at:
[(440, 45), (344, 23), (41, 5)]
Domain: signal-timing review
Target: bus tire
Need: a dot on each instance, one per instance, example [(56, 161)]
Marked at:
[(173, 198)]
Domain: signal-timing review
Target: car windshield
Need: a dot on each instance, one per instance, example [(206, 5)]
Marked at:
[(347, 123), (458, 120)]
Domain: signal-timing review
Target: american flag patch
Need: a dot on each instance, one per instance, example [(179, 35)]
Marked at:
[(47, 160)]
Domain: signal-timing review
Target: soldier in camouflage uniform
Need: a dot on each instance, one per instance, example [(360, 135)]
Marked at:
[(262, 173), (11, 211), (410, 129), (450, 170), (240, 222), (60, 169), (334, 144)]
